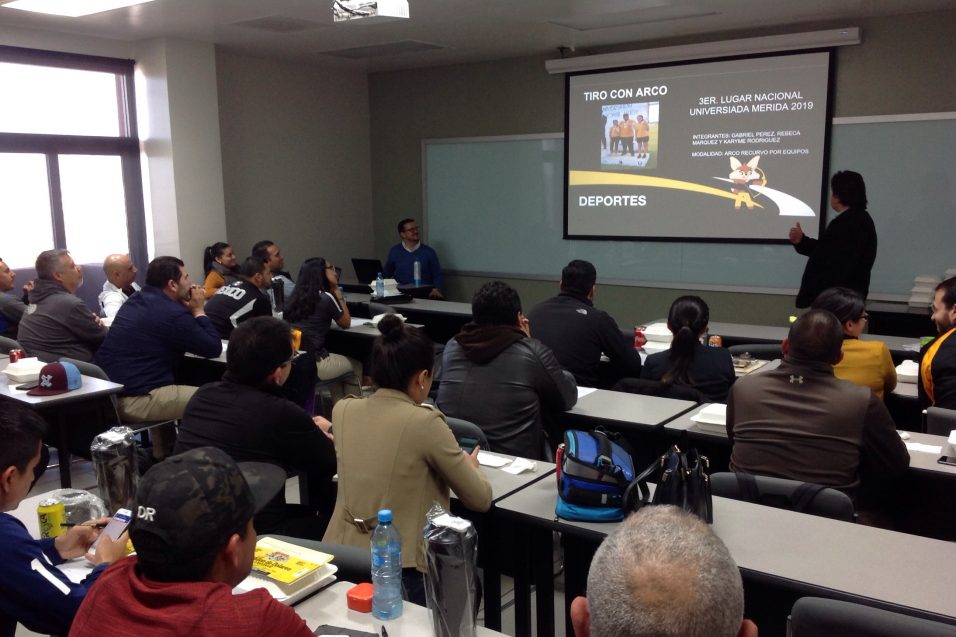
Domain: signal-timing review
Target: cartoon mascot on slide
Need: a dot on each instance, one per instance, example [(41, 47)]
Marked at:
[(743, 177)]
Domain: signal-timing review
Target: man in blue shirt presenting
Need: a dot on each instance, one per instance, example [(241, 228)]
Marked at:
[(400, 264)]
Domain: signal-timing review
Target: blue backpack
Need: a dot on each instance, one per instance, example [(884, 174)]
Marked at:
[(595, 471)]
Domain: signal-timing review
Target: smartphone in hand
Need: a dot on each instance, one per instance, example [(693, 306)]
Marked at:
[(114, 529)]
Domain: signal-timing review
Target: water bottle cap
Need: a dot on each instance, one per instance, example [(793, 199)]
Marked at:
[(385, 516)]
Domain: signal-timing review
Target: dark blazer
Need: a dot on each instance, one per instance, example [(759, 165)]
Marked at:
[(843, 256)]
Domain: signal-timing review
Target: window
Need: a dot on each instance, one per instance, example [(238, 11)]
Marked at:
[(69, 157)]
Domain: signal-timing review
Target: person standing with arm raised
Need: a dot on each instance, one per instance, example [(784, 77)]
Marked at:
[(844, 254)]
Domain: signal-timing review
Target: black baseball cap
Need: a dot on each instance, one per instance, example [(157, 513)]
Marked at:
[(193, 502)]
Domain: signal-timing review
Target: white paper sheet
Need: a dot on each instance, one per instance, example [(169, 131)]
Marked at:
[(520, 465), (489, 460), (916, 446)]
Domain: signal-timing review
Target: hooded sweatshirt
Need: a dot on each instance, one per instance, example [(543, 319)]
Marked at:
[(58, 324)]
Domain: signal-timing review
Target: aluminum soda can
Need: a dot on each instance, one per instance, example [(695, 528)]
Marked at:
[(715, 341), (639, 339), (51, 514), (16, 354)]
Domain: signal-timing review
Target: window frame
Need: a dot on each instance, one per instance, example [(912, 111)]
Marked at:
[(126, 146)]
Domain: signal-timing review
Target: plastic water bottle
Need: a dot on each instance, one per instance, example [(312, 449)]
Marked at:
[(417, 269), (380, 286), (386, 568)]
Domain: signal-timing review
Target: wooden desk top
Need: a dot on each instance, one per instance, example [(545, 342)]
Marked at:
[(632, 411), (91, 388), (801, 551)]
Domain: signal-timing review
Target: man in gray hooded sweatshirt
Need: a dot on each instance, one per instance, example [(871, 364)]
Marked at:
[(58, 323)]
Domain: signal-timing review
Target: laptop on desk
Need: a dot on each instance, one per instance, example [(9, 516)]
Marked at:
[(366, 270)]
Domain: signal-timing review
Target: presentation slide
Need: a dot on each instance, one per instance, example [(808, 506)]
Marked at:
[(731, 150)]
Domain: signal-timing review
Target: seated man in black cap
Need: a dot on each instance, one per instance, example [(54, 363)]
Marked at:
[(192, 529)]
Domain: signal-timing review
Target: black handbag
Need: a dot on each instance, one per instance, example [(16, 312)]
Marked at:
[(682, 481)]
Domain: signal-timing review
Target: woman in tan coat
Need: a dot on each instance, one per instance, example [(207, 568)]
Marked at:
[(395, 453)]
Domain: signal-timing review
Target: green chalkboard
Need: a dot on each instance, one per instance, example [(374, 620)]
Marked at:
[(495, 205)]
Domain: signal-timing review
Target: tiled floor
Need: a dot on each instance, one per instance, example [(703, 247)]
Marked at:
[(84, 478)]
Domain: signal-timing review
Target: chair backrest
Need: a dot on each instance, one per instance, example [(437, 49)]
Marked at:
[(465, 429), (648, 387), (793, 495), (7, 344), (87, 369), (762, 351), (817, 617), (940, 421)]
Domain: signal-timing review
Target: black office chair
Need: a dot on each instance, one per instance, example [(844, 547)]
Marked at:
[(760, 351), (940, 421), (353, 564), (464, 429), (7, 344), (817, 617), (649, 387), (803, 497)]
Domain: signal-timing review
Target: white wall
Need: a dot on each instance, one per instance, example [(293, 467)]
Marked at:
[(295, 153), (179, 129)]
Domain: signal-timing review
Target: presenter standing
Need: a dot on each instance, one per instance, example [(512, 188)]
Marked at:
[(402, 257), (844, 254)]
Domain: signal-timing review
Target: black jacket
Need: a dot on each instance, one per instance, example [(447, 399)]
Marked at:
[(578, 333), (843, 256), (507, 395), (256, 424), (712, 370)]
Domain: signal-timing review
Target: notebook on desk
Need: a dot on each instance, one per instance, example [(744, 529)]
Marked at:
[(366, 270)]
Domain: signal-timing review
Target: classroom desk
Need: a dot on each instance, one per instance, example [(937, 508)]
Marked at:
[(329, 606), (795, 553), (626, 412), (91, 390), (442, 319), (490, 538), (740, 333)]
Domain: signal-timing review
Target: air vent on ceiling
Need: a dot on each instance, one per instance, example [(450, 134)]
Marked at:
[(280, 24), (388, 48)]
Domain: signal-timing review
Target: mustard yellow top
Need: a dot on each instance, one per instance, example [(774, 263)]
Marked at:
[(867, 363)]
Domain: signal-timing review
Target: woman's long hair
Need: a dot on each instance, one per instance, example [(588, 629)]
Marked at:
[(211, 253), (844, 303), (309, 285), (687, 319)]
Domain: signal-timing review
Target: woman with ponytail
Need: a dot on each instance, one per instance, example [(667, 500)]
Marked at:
[(394, 452), (709, 370), (219, 264)]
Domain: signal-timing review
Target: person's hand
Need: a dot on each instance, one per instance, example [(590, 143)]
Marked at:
[(78, 539), (97, 319), (436, 294), (28, 286), (796, 234), (524, 324), (324, 425), (473, 456), (110, 550), (197, 299)]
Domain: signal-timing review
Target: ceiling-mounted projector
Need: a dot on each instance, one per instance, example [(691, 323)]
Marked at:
[(369, 10)]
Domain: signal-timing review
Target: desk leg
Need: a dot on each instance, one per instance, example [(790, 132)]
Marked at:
[(542, 560), (63, 450), (522, 572), (490, 570)]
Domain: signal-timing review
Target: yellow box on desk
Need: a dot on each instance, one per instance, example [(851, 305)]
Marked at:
[(288, 571)]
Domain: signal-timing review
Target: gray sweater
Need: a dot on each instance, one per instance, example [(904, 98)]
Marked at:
[(58, 324)]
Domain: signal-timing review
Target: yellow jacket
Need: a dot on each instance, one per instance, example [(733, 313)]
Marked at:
[(395, 454), (867, 363)]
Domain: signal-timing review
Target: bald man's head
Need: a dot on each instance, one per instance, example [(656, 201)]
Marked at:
[(119, 270)]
